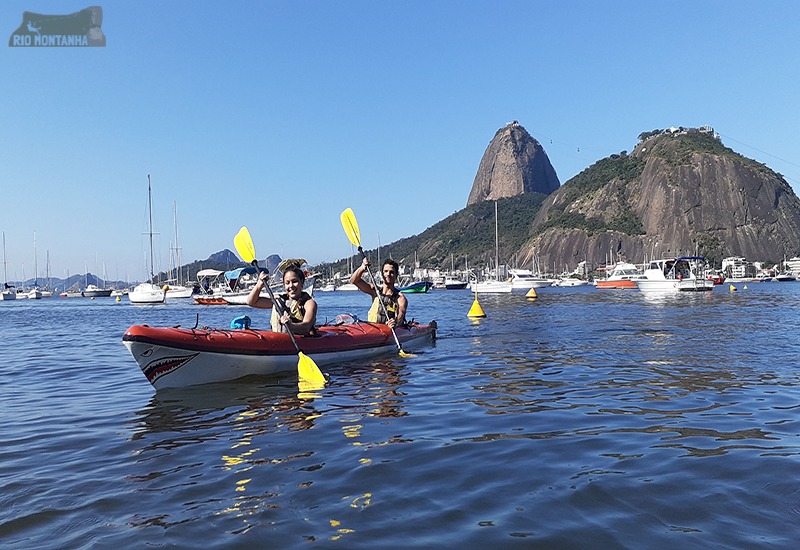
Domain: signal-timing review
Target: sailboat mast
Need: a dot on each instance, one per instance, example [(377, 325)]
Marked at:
[(177, 249), (496, 246), (5, 265), (150, 211), (35, 265)]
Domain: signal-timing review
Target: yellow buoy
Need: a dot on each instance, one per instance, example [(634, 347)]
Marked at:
[(166, 288), (744, 287), (733, 288), (476, 310), (119, 299), (531, 295)]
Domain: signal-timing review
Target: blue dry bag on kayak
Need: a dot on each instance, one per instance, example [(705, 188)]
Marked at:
[(243, 321)]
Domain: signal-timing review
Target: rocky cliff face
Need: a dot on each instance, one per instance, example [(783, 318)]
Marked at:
[(678, 193), (513, 163)]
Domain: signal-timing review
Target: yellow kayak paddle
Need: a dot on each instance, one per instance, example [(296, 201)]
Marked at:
[(350, 226), (306, 368)]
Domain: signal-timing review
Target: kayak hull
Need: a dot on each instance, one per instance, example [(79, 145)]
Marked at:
[(178, 357)]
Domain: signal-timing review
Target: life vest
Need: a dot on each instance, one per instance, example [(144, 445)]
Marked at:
[(376, 314), (295, 308)]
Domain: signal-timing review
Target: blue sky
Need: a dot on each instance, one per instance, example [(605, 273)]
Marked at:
[(279, 115)]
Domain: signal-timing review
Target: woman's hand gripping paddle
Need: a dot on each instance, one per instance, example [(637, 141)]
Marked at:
[(306, 368), (350, 226)]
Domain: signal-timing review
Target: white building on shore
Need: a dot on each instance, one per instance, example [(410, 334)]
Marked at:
[(734, 267), (793, 265)]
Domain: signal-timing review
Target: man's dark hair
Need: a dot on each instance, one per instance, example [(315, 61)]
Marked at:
[(391, 262)]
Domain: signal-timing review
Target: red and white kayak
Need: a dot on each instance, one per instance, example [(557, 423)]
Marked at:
[(177, 357)]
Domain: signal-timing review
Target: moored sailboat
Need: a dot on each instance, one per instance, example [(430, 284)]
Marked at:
[(8, 290), (148, 292), (494, 286), (177, 289)]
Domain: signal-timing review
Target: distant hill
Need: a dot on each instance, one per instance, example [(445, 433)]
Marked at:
[(224, 260), (224, 257)]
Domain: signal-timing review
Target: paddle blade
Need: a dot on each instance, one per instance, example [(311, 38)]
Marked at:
[(406, 354), (350, 226), (244, 245), (308, 370)]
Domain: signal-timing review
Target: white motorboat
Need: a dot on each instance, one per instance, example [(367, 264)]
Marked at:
[(8, 293), (347, 287), (620, 275), (491, 286), (328, 287), (784, 277), (451, 283), (675, 275), (93, 291), (179, 291), (525, 279), (147, 293)]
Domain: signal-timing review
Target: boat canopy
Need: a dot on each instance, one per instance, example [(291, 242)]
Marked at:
[(234, 274), (690, 258), (209, 273)]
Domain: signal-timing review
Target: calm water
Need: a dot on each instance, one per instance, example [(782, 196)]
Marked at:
[(585, 419)]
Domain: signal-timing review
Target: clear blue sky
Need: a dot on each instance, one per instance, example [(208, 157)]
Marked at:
[(278, 115)]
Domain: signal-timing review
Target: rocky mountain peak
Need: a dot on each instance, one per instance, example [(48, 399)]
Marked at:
[(513, 163)]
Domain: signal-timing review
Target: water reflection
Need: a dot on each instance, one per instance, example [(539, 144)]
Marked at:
[(186, 411), (675, 376), (238, 437)]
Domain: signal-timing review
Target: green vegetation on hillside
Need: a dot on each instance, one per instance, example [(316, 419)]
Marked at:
[(468, 233), (620, 169), (712, 248)]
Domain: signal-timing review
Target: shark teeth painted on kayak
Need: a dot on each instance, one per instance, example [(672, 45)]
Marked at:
[(165, 365)]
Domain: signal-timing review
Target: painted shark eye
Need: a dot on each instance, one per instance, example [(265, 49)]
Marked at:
[(147, 353)]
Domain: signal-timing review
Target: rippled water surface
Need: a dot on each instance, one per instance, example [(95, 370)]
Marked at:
[(584, 419)]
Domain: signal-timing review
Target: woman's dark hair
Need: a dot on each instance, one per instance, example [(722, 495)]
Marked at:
[(297, 271)]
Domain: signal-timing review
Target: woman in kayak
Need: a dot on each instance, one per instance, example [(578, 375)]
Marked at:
[(299, 309), (396, 304)]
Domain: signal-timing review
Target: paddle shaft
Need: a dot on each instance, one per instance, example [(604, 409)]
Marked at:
[(279, 305), (378, 295)]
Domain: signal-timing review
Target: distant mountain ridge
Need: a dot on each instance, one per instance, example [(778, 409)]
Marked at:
[(224, 257), (224, 260)]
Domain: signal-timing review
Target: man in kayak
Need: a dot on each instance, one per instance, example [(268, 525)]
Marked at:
[(299, 309), (395, 302)]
